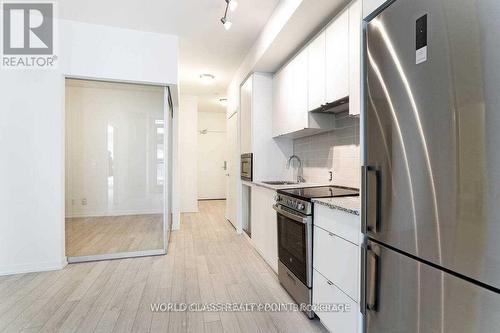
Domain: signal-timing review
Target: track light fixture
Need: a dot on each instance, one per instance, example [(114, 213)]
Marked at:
[(231, 5)]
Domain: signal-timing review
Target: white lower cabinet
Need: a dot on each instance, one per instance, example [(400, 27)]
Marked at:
[(345, 225), (339, 321), (264, 225), (338, 260), (336, 263)]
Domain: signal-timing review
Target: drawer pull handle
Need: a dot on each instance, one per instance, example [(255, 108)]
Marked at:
[(329, 282), (332, 235)]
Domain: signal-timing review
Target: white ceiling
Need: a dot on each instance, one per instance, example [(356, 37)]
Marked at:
[(205, 46)]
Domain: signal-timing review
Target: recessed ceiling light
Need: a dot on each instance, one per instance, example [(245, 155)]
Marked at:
[(227, 24), (233, 4), (207, 78)]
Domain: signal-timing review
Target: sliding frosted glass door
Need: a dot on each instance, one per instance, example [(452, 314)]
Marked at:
[(115, 169)]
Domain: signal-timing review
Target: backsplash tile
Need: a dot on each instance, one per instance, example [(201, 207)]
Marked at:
[(337, 150)]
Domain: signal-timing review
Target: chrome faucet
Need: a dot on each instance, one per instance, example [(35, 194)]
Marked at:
[(300, 172)]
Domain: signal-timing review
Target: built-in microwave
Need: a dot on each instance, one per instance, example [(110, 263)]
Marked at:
[(246, 167)]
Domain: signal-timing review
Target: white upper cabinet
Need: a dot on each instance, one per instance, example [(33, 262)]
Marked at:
[(298, 98), (337, 58), (290, 97), (282, 84), (316, 72), (278, 102), (291, 116), (327, 70), (246, 116), (355, 31)]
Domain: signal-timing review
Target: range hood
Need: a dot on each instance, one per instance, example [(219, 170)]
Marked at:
[(337, 106)]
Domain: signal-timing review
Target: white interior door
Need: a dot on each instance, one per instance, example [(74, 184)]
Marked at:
[(232, 168), (211, 155)]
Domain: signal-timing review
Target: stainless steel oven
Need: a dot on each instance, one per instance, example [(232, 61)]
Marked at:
[(295, 253), (295, 240), (246, 167)]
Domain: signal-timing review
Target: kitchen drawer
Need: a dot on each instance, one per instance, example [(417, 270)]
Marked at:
[(325, 292), (344, 224), (338, 260)]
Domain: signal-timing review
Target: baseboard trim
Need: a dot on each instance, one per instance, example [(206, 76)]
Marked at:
[(113, 256), (105, 214), (219, 199), (32, 268)]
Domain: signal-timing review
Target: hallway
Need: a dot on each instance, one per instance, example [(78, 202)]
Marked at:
[(207, 262)]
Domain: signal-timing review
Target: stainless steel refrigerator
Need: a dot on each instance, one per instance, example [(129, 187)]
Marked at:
[(431, 175)]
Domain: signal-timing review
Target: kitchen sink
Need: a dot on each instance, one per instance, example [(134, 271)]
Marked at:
[(280, 182)]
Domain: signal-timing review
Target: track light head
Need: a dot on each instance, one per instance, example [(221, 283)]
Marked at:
[(227, 24)]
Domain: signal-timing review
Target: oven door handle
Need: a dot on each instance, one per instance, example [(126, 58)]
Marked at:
[(295, 217)]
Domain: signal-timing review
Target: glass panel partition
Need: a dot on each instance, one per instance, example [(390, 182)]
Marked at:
[(115, 169)]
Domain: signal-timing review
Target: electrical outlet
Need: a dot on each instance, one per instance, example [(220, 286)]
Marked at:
[(84, 202)]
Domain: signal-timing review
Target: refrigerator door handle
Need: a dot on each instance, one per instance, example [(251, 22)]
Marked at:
[(362, 292), (372, 199), (373, 274)]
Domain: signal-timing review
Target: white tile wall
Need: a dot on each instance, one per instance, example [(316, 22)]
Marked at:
[(337, 150)]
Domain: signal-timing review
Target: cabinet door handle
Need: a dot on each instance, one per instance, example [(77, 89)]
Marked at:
[(329, 282), (331, 235)]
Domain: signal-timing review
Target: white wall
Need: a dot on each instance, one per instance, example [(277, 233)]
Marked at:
[(211, 155), (370, 6), (31, 171), (131, 112), (96, 51), (188, 153), (32, 136)]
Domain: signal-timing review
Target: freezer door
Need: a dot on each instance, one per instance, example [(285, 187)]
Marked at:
[(404, 295), (432, 182)]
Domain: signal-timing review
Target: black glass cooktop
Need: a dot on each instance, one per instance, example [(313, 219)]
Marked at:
[(309, 193)]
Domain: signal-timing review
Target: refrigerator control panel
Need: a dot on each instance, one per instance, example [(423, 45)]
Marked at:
[(421, 40)]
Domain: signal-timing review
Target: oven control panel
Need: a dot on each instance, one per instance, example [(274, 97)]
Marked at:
[(305, 207)]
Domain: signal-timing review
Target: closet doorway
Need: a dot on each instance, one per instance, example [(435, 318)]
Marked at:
[(117, 156)]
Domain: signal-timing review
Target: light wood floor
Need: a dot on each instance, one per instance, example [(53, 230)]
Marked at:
[(113, 234), (207, 262)]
